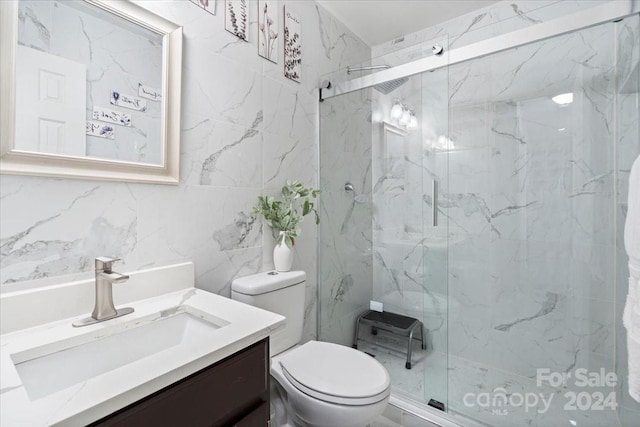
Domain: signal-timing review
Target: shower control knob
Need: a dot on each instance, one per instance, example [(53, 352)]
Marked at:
[(437, 49)]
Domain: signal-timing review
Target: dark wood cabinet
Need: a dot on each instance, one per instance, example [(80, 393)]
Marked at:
[(231, 392)]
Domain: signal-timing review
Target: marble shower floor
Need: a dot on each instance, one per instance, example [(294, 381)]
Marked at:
[(430, 376)]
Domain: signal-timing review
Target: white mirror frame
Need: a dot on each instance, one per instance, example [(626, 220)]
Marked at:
[(18, 162), (389, 127)]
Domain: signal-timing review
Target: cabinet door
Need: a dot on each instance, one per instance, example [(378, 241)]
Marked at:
[(257, 418), (233, 389)]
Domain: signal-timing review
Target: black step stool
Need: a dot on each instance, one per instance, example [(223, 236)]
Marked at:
[(391, 322)]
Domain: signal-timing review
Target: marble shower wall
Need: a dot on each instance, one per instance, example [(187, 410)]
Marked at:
[(345, 241), (628, 149), (245, 130)]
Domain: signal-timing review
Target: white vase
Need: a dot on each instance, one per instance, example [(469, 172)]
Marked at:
[(283, 255)]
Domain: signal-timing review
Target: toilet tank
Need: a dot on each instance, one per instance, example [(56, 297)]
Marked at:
[(278, 292)]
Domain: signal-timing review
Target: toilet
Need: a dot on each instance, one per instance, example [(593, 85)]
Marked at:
[(316, 384)]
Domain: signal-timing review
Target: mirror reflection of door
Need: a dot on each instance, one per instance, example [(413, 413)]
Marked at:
[(50, 103)]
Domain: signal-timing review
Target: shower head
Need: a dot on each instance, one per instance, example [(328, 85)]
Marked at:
[(385, 87), (388, 87)]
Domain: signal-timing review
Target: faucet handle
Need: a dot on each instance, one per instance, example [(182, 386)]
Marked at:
[(104, 263)]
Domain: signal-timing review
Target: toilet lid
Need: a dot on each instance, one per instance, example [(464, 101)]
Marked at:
[(336, 373)]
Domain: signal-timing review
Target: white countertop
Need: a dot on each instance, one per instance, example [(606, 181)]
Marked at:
[(90, 400)]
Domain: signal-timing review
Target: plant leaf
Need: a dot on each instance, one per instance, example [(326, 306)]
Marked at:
[(286, 214)]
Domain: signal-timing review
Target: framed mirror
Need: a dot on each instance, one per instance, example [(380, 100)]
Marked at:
[(89, 89)]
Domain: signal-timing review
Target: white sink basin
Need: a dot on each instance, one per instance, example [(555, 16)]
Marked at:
[(54, 369), (55, 374)]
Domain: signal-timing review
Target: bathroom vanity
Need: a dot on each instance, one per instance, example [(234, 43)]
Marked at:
[(232, 391), (183, 357)]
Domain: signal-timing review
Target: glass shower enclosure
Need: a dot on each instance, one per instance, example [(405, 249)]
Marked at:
[(496, 221)]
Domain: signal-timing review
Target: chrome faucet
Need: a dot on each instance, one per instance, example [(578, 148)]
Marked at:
[(104, 308)]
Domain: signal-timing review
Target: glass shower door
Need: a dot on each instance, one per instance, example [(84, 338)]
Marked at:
[(435, 151), (531, 207), (377, 170)]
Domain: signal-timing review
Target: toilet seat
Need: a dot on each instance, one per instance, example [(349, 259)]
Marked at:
[(336, 374)]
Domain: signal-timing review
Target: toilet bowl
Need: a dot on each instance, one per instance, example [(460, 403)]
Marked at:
[(331, 385), (316, 384)]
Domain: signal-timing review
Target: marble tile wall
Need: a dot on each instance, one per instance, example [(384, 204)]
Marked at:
[(345, 241), (245, 130)]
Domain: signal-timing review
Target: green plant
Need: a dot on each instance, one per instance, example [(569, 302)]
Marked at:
[(286, 215)]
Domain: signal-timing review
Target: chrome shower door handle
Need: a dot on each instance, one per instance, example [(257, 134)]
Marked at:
[(434, 202)]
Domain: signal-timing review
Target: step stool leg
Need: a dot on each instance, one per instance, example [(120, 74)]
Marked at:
[(355, 335), (409, 348), (422, 337)]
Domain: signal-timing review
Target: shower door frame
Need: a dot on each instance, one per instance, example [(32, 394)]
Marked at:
[(612, 11)]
